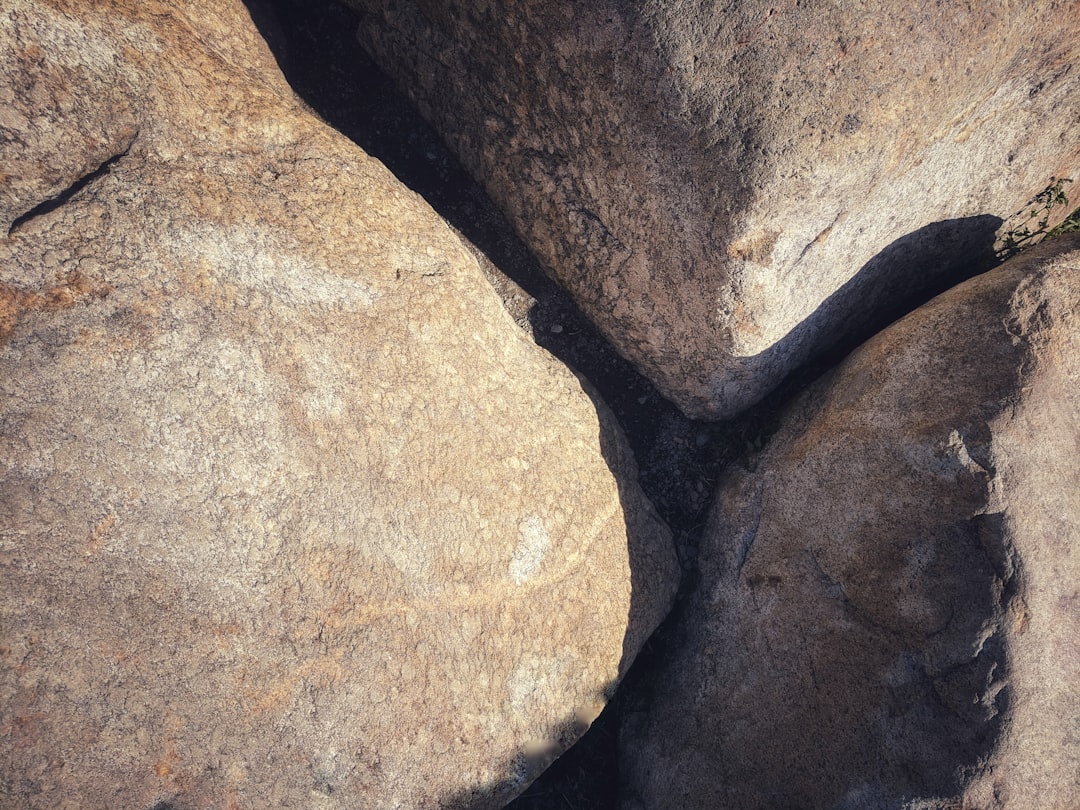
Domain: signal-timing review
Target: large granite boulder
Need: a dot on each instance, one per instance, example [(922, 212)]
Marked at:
[(291, 513), (725, 190), (889, 611)]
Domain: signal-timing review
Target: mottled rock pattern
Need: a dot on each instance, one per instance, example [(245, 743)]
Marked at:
[(725, 189), (291, 513), (889, 612)]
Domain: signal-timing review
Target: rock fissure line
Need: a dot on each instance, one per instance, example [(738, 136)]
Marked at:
[(55, 202), (749, 537)]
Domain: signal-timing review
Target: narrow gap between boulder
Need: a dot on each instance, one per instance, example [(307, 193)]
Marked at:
[(679, 459)]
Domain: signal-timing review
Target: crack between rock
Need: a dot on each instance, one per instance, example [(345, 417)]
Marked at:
[(748, 542), (55, 202), (830, 583), (821, 237)]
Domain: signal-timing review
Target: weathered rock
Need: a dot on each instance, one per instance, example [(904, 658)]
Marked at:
[(889, 612), (724, 190), (291, 513)]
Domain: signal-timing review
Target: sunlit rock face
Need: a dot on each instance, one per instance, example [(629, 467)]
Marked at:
[(291, 513), (727, 188)]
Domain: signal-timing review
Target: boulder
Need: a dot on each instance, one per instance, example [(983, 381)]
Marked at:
[(889, 608), (291, 513), (725, 191)]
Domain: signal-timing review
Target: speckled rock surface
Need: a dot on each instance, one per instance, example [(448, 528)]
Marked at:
[(889, 612), (724, 190), (291, 513)]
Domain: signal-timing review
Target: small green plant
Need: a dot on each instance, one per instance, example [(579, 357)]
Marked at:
[(1071, 224), (1033, 227)]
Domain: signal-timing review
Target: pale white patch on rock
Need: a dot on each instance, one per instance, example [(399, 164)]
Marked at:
[(253, 258), (325, 396), (532, 680), (530, 551)]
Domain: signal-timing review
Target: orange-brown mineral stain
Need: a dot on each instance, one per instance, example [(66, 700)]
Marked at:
[(169, 760), (117, 654), (235, 776), (755, 246), (225, 634), (1020, 616), (322, 673), (31, 52), (96, 539), (75, 287), (744, 317), (24, 722)]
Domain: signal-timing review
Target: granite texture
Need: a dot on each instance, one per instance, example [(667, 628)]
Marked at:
[(292, 514), (889, 612), (726, 189)]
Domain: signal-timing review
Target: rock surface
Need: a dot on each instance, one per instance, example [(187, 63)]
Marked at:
[(724, 190), (291, 513), (889, 610)]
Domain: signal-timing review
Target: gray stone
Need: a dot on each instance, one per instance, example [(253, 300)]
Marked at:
[(889, 611), (725, 188)]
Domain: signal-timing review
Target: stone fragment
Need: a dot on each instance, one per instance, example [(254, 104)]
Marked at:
[(726, 188), (889, 610), (291, 513)]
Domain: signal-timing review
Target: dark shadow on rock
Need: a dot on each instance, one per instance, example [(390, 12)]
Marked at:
[(914, 694), (578, 779)]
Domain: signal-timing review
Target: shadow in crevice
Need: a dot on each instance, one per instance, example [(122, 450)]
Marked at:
[(315, 46), (679, 459), (898, 280)]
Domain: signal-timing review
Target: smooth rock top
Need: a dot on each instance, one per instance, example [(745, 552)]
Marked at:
[(291, 513), (889, 611), (727, 188)]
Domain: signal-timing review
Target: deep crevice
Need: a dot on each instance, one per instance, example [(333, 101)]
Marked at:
[(679, 459), (55, 202)]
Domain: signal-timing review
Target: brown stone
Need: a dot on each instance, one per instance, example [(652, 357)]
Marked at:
[(291, 513), (889, 610), (725, 190)]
